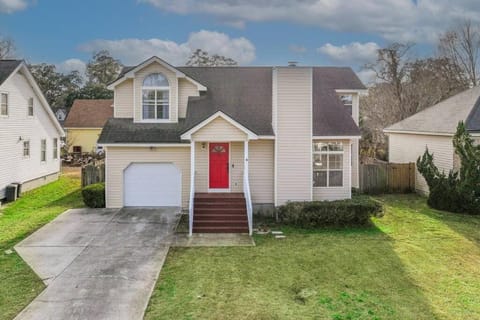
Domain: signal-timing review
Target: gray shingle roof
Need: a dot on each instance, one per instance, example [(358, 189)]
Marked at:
[(124, 130), (444, 117), (245, 94), (7, 67)]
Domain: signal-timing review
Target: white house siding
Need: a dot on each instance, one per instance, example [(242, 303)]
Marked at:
[(294, 134), (219, 130), (123, 100), (261, 166), (172, 80), (202, 168), (404, 148), (14, 167), (185, 89), (337, 193), (118, 159)]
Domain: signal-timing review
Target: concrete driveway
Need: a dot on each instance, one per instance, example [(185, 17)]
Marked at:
[(98, 263)]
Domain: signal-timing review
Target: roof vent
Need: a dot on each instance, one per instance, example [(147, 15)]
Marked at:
[(292, 63)]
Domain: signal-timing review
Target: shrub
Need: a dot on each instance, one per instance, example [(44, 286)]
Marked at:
[(457, 191), (340, 213), (94, 195)]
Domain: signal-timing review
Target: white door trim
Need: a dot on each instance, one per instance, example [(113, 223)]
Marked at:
[(229, 168)]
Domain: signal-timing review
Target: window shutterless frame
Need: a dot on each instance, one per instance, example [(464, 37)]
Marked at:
[(43, 150), (328, 158), (30, 107), (55, 148), (26, 149), (3, 104)]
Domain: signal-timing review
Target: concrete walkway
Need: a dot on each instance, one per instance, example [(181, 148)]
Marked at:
[(98, 263)]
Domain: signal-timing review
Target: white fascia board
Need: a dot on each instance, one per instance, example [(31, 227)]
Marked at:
[(359, 91), (188, 135), (131, 74), (336, 137), (266, 137), (143, 145), (445, 134), (43, 100)]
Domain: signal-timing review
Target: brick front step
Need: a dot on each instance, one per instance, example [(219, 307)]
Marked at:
[(213, 205), (218, 216), (220, 223), (220, 229), (224, 210)]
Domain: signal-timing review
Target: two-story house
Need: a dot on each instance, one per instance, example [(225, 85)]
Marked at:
[(29, 131), (225, 141)]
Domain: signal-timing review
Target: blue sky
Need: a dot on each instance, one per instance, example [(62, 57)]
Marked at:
[(268, 32)]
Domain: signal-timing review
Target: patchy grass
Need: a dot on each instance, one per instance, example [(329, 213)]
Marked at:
[(415, 263), (19, 285)]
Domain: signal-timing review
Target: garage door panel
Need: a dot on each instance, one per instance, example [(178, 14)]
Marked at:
[(152, 185)]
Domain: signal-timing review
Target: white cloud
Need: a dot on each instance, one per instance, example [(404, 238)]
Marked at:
[(353, 53), (10, 6), (394, 20), (297, 49), (368, 77), (70, 65), (133, 51)]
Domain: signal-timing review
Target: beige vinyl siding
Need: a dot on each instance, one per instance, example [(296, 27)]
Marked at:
[(294, 134), (261, 165), (15, 167), (337, 193), (123, 100), (202, 167), (118, 159), (404, 148), (185, 89), (219, 130), (172, 80)]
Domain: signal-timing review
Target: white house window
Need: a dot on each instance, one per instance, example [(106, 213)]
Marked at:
[(43, 150), (3, 104), (26, 149), (156, 97), (55, 148), (347, 100), (30, 107), (328, 164)]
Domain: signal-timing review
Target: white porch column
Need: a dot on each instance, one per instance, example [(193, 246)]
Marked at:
[(246, 187), (245, 155), (192, 187)]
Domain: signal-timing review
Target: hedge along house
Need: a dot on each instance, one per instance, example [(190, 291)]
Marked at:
[(225, 141), (434, 128)]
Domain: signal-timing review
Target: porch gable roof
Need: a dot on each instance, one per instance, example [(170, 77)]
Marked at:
[(188, 134)]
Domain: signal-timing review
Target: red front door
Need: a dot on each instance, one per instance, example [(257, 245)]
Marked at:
[(219, 158)]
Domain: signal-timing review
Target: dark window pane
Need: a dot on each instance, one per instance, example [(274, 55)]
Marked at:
[(336, 178), (319, 178), (148, 111)]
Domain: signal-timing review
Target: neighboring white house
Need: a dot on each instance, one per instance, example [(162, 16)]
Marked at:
[(254, 137), (29, 131), (433, 128)]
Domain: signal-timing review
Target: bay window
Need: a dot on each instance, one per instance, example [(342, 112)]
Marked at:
[(328, 164)]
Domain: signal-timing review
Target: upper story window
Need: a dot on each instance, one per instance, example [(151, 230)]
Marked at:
[(156, 97), (30, 107), (347, 100), (3, 104)]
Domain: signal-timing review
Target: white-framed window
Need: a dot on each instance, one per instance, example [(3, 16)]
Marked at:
[(30, 107), (3, 104), (347, 100), (155, 97), (26, 149), (328, 164), (43, 150), (55, 148)]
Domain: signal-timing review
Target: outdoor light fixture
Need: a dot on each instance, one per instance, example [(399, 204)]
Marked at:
[(204, 145)]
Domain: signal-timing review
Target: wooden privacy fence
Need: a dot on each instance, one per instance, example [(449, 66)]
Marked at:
[(387, 178), (93, 173)]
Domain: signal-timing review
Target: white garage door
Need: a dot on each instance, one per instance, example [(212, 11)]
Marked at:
[(152, 185)]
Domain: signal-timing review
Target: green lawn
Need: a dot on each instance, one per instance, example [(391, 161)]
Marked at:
[(415, 263), (18, 284)]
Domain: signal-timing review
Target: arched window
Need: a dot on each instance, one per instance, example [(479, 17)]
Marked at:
[(156, 97)]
